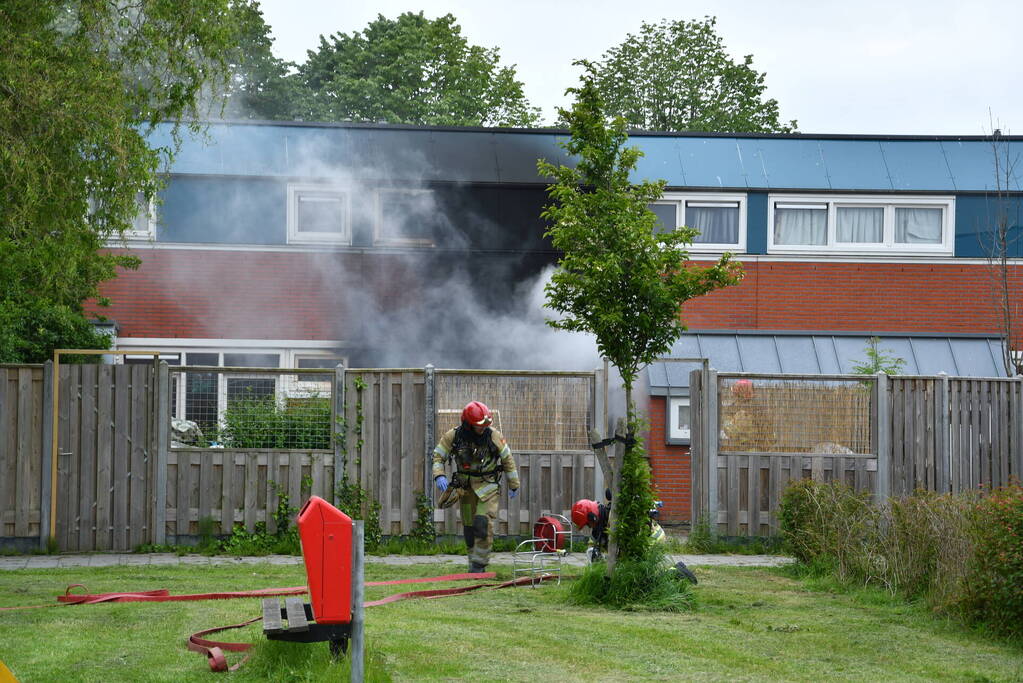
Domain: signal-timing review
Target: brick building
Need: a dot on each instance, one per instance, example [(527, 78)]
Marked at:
[(301, 245)]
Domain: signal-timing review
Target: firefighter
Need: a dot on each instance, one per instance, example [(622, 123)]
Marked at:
[(593, 515), (480, 456)]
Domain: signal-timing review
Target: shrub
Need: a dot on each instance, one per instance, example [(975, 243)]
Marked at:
[(994, 590), (260, 422), (826, 525), (649, 582)]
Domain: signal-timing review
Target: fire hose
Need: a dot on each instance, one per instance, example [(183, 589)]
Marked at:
[(214, 650)]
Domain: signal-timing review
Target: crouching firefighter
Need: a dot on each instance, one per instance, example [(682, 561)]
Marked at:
[(595, 516), (480, 455)]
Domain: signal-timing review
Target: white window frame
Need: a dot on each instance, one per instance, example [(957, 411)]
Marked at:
[(673, 430), (887, 246), (150, 232), (301, 387), (296, 236), (379, 238), (682, 199)]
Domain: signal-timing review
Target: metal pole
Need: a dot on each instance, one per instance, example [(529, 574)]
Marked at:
[(358, 591)]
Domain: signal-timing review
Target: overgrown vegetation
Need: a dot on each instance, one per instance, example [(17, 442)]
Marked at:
[(264, 422), (962, 555), (878, 360), (703, 541), (645, 583)]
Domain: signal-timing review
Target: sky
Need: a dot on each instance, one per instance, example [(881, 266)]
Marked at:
[(900, 67)]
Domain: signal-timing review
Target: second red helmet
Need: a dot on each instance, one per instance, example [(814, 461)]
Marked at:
[(585, 512), (476, 413)]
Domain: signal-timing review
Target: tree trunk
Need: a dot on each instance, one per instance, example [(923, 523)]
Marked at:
[(621, 429)]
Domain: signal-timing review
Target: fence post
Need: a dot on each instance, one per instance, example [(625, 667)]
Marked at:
[(159, 480), (943, 444), (1016, 406), (339, 435), (45, 472), (599, 424), (358, 595), (430, 429), (710, 421), (883, 424)]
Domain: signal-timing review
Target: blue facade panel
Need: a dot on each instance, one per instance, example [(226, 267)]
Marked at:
[(756, 223), (709, 162), (660, 161), (855, 165), (779, 163), (978, 215), (916, 166)]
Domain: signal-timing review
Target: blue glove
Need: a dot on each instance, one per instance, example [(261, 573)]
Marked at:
[(442, 483), (513, 492)]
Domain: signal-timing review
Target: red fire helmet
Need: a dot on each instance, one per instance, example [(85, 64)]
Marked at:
[(476, 413), (585, 512), (743, 388)]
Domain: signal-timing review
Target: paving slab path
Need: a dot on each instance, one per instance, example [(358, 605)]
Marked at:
[(151, 559)]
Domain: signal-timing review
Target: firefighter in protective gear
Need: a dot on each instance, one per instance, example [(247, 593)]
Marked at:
[(595, 516), (480, 456)]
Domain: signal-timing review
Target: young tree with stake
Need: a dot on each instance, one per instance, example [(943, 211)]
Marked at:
[(618, 278)]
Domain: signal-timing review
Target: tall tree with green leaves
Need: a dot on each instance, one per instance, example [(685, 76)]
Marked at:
[(261, 85), (81, 83), (677, 76), (412, 70), (618, 278)]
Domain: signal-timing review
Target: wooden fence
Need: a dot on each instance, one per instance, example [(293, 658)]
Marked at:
[(122, 483), (944, 434), (23, 390)]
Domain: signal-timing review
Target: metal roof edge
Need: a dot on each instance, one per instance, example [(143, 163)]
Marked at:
[(842, 333), (632, 133)]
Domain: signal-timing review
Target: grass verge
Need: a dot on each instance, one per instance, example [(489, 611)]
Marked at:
[(748, 624)]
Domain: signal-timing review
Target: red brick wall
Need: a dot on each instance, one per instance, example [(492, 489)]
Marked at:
[(250, 294), (859, 297), (670, 465)]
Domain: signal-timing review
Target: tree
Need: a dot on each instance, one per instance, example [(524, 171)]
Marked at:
[(676, 76), (878, 361), (1000, 239), (412, 70), (617, 278), (81, 83), (261, 86)]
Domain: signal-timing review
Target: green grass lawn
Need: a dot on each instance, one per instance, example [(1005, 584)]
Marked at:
[(750, 625)]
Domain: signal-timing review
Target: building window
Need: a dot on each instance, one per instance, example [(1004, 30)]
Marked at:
[(407, 218), (721, 219), (314, 384), (318, 214), (143, 227), (678, 421), (861, 224)]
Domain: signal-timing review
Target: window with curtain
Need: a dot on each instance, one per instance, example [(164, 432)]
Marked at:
[(718, 223), (801, 224), (860, 224), (916, 226), (720, 219), (878, 224)]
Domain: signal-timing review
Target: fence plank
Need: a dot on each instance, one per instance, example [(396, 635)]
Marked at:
[(140, 409), (227, 487), (753, 498), (409, 417), (23, 453), (1004, 422), (83, 378), (120, 428), (732, 467), (251, 482)]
